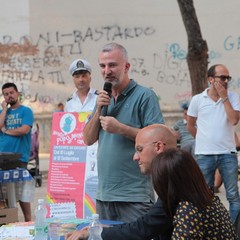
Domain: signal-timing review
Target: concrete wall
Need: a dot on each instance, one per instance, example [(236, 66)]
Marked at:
[(39, 40)]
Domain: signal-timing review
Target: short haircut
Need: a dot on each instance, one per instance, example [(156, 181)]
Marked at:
[(212, 70), (8, 85), (60, 104), (112, 46)]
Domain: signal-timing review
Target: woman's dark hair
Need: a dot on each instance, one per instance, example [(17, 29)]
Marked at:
[(176, 177)]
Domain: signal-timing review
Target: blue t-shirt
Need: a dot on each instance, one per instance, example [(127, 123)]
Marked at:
[(17, 144)]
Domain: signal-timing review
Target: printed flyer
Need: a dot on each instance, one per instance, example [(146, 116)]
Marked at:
[(72, 177)]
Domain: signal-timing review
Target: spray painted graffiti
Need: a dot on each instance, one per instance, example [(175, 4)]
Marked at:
[(138, 66), (106, 33), (172, 67), (230, 43), (41, 61)]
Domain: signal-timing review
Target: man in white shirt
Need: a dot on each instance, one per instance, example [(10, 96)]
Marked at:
[(215, 111), (84, 98)]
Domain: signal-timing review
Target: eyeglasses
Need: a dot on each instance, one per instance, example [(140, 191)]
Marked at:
[(223, 78), (139, 148)]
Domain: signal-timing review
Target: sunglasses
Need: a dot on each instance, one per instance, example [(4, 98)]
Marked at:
[(224, 78)]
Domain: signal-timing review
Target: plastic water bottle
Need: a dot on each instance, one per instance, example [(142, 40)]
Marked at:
[(41, 226), (95, 228)]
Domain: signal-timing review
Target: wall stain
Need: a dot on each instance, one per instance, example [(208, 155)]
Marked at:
[(25, 49)]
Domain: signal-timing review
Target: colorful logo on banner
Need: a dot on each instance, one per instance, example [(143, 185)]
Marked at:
[(72, 180)]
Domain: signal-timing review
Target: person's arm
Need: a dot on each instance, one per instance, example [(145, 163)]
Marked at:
[(27, 122), (237, 141), (91, 129), (3, 114), (232, 115), (109, 124), (175, 131), (151, 225), (17, 131), (176, 134), (148, 112), (82, 234), (191, 125), (112, 125)]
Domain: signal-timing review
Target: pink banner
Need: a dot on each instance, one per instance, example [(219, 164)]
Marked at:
[(72, 177)]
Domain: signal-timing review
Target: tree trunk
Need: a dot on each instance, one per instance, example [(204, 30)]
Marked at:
[(197, 57)]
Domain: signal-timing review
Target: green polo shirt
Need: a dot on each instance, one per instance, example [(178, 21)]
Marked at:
[(119, 176)]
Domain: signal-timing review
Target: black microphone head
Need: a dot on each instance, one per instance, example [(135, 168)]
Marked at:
[(108, 88)]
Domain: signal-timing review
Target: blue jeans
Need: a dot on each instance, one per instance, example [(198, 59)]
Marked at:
[(228, 167)]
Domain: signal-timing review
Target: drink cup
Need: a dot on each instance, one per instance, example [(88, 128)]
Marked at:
[(54, 231)]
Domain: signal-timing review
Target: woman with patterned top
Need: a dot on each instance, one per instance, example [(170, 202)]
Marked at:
[(196, 212)]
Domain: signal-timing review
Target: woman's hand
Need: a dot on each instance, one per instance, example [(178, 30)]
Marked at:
[(82, 234)]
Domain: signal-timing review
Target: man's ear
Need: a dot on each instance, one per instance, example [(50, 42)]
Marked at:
[(211, 80), (160, 147), (127, 67)]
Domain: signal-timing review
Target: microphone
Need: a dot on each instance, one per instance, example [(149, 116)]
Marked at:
[(108, 88)]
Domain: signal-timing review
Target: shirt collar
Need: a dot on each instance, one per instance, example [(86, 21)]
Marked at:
[(205, 92), (129, 87), (90, 92)]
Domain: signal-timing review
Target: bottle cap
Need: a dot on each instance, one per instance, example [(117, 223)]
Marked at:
[(40, 200), (95, 216)]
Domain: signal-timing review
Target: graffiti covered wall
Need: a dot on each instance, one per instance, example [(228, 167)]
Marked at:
[(40, 39)]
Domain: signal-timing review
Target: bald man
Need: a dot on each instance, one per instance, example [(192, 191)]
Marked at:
[(150, 141)]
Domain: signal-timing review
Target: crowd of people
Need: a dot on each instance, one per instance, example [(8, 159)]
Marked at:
[(172, 214), (144, 159)]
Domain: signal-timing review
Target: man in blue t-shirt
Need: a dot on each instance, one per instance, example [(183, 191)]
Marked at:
[(16, 122)]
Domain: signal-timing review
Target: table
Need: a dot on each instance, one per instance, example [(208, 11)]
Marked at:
[(25, 230), (10, 177), (104, 222)]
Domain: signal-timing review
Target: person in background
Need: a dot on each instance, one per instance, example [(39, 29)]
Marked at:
[(84, 98), (218, 178), (216, 112), (217, 181), (156, 223), (60, 107), (123, 193), (186, 140), (196, 212), (237, 141), (16, 122)]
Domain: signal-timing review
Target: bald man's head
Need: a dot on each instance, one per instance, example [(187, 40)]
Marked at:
[(158, 132), (150, 141)]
